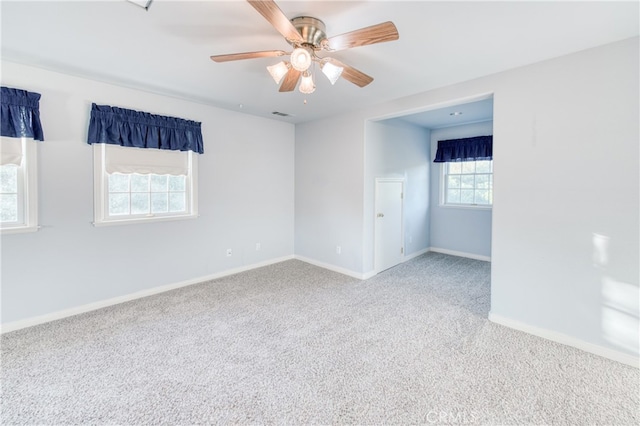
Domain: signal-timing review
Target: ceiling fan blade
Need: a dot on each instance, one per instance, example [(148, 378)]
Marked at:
[(290, 80), (379, 33), (272, 13), (248, 55), (351, 74)]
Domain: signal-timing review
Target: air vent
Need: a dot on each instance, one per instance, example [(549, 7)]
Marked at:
[(281, 114)]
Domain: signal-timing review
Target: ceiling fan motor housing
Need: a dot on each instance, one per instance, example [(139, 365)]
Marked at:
[(312, 30)]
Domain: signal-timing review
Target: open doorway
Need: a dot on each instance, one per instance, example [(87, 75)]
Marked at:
[(433, 222)]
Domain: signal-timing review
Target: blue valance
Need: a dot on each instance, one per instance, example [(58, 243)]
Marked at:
[(467, 149), (126, 127), (20, 114)]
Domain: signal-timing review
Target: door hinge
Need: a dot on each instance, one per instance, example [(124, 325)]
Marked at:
[(401, 250), (402, 195)]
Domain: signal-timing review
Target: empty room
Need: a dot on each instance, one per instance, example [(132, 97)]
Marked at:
[(320, 212)]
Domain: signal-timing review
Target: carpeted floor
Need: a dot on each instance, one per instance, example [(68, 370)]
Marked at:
[(292, 343)]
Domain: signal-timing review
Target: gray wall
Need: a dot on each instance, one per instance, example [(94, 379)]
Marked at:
[(245, 196), (566, 170), (395, 149), (459, 229)]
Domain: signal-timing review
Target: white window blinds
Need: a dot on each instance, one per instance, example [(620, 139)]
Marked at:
[(144, 161), (10, 151)]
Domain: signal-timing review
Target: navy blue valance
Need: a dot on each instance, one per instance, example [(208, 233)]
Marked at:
[(20, 114), (467, 149), (126, 127)]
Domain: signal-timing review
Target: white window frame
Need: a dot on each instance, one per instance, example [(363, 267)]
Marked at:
[(27, 192), (443, 193), (101, 194)]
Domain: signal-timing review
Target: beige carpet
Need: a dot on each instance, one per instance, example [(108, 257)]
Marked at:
[(295, 344)]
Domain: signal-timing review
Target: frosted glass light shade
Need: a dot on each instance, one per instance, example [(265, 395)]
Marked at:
[(278, 71), (300, 59), (332, 72), (306, 84)]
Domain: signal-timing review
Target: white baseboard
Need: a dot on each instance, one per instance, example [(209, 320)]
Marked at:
[(460, 254), (370, 274), (30, 322), (330, 267), (567, 340), (416, 254), (406, 258)]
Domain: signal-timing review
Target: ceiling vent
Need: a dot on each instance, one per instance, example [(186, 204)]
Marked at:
[(281, 114)]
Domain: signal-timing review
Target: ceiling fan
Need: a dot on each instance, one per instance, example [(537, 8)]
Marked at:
[(307, 36)]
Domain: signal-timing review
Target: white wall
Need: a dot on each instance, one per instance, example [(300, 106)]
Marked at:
[(458, 229), (245, 196), (565, 231), (566, 168), (329, 169), (395, 149)]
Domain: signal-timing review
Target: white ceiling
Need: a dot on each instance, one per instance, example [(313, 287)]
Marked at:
[(166, 49), (455, 115)]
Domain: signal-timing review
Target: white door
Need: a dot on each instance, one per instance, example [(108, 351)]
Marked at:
[(389, 244)]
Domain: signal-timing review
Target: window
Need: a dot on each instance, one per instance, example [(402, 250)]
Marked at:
[(18, 189), (20, 129), (134, 194), (467, 183), (145, 165), (133, 185), (467, 171)]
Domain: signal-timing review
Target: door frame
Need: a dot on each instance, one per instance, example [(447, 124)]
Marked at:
[(379, 180)]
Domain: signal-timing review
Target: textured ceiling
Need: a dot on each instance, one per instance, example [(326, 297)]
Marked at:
[(166, 49)]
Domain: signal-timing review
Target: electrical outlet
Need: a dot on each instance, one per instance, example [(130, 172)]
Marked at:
[(338, 250), (229, 252), (258, 246)]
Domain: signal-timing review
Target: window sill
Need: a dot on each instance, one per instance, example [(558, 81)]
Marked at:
[(466, 206), (114, 222), (19, 230)]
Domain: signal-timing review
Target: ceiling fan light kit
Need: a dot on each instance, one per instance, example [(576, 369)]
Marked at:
[(301, 59), (307, 86), (308, 37), (279, 70), (333, 72)]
